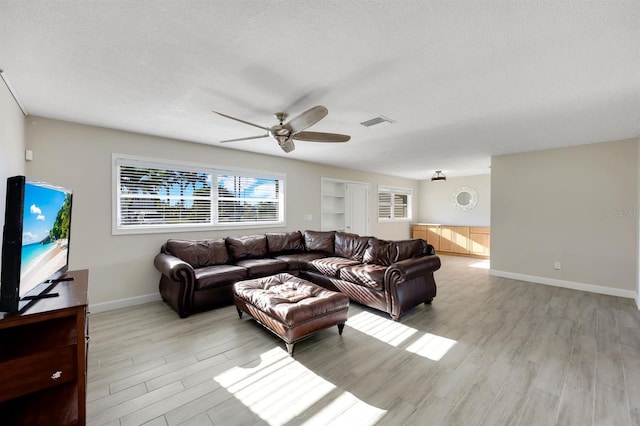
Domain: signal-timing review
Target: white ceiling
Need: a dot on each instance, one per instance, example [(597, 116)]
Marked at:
[(464, 80)]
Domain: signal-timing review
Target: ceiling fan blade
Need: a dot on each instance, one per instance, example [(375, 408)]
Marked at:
[(306, 119), (242, 121), (287, 146), (245, 139), (321, 137)]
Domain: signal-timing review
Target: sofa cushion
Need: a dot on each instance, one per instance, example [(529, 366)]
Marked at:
[(247, 247), (218, 275), (299, 261), (371, 276), (320, 241), (409, 248), (263, 267), (330, 266), (351, 246), (199, 253), (380, 252), (284, 242)]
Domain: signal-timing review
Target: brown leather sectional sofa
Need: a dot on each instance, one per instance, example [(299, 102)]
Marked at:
[(391, 276)]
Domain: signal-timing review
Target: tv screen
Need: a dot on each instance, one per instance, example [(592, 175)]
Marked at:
[(35, 249)]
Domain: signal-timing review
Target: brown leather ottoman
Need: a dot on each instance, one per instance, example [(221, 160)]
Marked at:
[(290, 307)]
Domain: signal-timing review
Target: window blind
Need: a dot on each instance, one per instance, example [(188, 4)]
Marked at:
[(159, 195), (394, 203)]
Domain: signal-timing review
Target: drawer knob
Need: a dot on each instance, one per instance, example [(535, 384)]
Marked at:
[(56, 375)]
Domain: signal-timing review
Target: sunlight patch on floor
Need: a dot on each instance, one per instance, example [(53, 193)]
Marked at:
[(383, 329), (394, 333), (340, 409), (359, 413), (431, 346), (483, 264), (271, 389)]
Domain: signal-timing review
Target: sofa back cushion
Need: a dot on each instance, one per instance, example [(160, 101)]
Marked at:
[(199, 253), (410, 248), (351, 246), (284, 242), (319, 241), (247, 247), (380, 252)]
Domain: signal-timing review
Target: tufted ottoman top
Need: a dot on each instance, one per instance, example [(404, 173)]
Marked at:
[(289, 299)]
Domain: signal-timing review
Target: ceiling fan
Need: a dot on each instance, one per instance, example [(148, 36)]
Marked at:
[(285, 133)]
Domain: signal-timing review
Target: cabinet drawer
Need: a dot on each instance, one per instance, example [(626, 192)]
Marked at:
[(479, 230), (39, 371)]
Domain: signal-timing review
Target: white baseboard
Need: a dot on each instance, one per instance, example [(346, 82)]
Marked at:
[(629, 294), (124, 303)]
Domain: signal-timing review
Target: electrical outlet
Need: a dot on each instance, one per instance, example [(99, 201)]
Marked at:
[(556, 265)]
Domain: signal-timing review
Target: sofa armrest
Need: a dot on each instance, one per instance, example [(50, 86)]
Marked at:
[(407, 269), (409, 283), (177, 282), (174, 268)]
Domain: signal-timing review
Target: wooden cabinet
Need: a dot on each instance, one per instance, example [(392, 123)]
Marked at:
[(419, 231), (465, 240), (480, 241), (433, 236), (460, 239), (429, 233), (446, 239), (43, 358)]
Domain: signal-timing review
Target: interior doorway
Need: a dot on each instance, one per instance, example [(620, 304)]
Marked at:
[(358, 211), (346, 206)]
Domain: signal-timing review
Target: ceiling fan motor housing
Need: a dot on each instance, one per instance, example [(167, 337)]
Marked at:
[(281, 117)]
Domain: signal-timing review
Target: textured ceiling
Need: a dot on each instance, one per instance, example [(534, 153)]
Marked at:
[(463, 80)]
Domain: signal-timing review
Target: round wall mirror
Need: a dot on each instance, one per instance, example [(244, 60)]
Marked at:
[(465, 198)]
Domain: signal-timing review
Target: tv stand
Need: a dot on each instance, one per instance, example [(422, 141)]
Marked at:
[(43, 365)]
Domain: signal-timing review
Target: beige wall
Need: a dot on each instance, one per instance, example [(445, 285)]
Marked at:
[(12, 142), (638, 233), (436, 201), (576, 205), (121, 267)]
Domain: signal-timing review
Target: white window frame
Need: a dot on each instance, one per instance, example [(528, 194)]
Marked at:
[(394, 190), (215, 171)]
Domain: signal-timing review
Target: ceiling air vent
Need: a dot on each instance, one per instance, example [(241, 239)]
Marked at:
[(377, 120)]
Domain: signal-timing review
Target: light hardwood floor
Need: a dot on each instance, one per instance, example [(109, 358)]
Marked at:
[(489, 351)]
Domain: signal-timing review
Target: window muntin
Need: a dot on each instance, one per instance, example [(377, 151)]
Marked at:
[(247, 199), (394, 204), (161, 196)]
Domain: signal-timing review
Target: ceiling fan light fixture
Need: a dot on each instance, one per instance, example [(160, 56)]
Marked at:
[(438, 176)]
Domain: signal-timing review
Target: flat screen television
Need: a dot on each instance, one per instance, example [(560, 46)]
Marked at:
[(35, 242)]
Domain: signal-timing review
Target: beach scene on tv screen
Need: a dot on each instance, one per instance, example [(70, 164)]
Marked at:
[(45, 234)]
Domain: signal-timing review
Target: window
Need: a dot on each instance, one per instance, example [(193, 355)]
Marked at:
[(158, 196), (394, 204)]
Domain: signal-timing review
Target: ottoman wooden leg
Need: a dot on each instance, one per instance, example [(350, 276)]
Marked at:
[(239, 312), (340, 328)]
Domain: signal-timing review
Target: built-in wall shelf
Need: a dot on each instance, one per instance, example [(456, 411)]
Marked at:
[(333, 204)]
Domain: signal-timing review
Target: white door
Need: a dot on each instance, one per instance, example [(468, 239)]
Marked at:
[(358, 208)]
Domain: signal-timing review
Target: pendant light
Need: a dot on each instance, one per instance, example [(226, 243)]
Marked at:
[(438, 177)]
